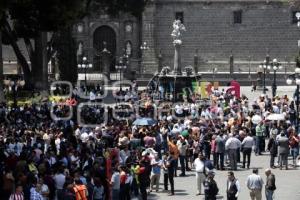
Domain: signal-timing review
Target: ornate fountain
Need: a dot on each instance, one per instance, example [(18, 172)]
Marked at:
[(177, 83)]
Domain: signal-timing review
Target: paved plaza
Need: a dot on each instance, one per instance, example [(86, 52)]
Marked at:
[(287, 182)]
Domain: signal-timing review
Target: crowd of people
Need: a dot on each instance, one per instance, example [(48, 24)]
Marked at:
[(46, 159)]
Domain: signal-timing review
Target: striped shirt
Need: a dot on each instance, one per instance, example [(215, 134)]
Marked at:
[(17, 196)]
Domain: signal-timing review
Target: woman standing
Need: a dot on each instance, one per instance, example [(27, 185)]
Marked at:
[(294, 145)]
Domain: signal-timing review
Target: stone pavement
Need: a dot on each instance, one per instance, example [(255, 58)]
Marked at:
[(287, 182)]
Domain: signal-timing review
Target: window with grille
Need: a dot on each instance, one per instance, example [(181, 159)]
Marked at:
[(237, 17), (179, 16)]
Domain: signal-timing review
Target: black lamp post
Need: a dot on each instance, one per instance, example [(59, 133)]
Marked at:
[(13, 86), (144, 47), (275, 66), (122, 66), (265, 65), (249, 67), (215, 70), (85, 65)]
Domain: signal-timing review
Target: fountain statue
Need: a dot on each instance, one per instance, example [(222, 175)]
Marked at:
[(178, 27), (178, 83)]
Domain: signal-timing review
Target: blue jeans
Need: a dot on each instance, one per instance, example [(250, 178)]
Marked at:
[(258, 141), (115, 194), (269, 194), (182, 164), (295, 152)]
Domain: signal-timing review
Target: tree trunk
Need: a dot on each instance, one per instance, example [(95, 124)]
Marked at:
[(21, 59), (66, 55), (1, 73), (40, 66)]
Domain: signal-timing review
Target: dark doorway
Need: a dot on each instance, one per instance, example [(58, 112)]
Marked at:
[(104, 34)]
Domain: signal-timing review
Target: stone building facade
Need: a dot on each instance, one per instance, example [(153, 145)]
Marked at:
[(216, 29)]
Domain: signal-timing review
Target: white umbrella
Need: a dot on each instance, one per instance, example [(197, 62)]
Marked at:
[(273, 117), (256, 119)]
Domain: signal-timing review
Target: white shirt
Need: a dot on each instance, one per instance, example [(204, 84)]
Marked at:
[(92, 96), (57, 143), (115, 179), (59, 181), (84, 137), (248, 142), (199, 165), (178, 109), (182, 147), (237, 183), (43, 190), (233, 143), (254, 181)]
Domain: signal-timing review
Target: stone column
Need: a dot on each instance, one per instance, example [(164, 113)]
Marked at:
[(160, 60), (196, 61), (149, 60), (231, 67)]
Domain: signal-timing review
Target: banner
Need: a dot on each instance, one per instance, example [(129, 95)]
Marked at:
[(235, 89), (206, 89)]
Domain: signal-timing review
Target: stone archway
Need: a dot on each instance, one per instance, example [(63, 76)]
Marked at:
[(104, 34)]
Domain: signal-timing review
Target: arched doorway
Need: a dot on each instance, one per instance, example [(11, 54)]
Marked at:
[(104, 34)]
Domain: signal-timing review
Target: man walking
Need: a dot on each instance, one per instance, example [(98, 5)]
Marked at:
[(182, 145), (259, 130), (210, 187), (247, 145), (233, 187), (232, 144), (155, 173), (200, 171), (171, 168), (273, 149), (220, 151), (255, 183), (270, 184), (283, 143)]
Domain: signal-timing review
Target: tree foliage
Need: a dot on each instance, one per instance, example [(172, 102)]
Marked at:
[(114, 7), (30, 18)]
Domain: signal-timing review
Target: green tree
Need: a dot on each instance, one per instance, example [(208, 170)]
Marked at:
[(31, 21)]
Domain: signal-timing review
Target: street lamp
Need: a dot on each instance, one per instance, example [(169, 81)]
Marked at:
[(275, 65), (85, 65), (265, 65), (249, 69), (13, 86), (122, 66), (295, 78), (144, 47), (298, 18), (214, 73)]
